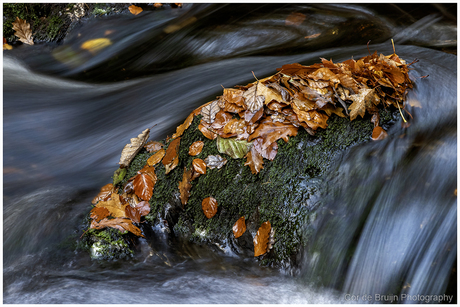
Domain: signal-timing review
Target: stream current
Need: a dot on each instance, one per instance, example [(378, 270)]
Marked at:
[(388, 219)]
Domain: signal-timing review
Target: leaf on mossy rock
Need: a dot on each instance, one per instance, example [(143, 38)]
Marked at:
[(181, 129), (153, 146), (239, 227), (268, 153), (99, 213), (232, 147), (130, 150), (209, 206), (171, 159), (133, 214), (118, 175), (272, 131), (23, 31), (196, 148), (379, 133), (103, 194), (204, 127), (198, 168), (185, 186), (209, 112), (215, 161), (114, 205), (135, 9), (261, 239), (252, 100), (254, 161), (122, 224), (144, 183), (365, 99), (156, 157)]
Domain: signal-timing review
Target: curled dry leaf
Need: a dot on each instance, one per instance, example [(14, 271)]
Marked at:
[(130, 150), (171, 159), (215, 161), (196, 148), (121, 224), (252, 100), (185, 186), (209, 206), (209, 112), (156, 158), (239, 227), (261, 239), (153, 146), (180, 130), (135, 9), (379, 133), (23, 31), (104, 193), (99, 213), (114, 205)]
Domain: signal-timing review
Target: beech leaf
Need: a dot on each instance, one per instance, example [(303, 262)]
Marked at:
[(23, 31), (121, 224), (261, 239), (215, 161), (379, 133), (99, 213), (185, 186), (130, 150), (209, 112), (232, 147), (268, 153), (204, 128), (133, 214), (272, 131), (143, 186), (171, 159), (239, 227), (156, 157), (115, 207), (135, 9), (180, 130), (254, 161), (153, 146), (199, 166), (252, 100), (104, 193), (209, 206), (196, 148)]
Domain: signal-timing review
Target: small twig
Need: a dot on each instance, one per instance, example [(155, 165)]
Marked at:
[(368, 47), (393, 43), (401, 113)]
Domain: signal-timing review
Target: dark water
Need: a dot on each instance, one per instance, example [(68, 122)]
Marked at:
[(389, 214)]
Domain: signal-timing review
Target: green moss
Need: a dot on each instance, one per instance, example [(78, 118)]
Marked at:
[(107, 244)]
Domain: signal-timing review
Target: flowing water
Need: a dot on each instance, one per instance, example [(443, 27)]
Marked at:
[(389, 213)]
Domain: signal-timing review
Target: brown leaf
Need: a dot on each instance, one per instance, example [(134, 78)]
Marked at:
[(135, 9), (254, 160), (313, 118), (235, 126), (130, 150), (362, 101), (379, 133), (156, 158), (104, 193), (272, 131), (121, 224), (199, 167), (171, 159), (234, 96), (180, 130), (99, 213), (185, 186), (239, 227), (209, 206), (115, 207), (269, 152), (222, 118), (215, 161), (324, 74), (196, 148), (23, 31), (209, 112), (252, 100), (133, 214), (204, 128), (261, 239), (269, 94), (252, 117), (295, 19), (143, 186)]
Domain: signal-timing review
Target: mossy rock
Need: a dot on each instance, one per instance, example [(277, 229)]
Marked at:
[(285, 192)]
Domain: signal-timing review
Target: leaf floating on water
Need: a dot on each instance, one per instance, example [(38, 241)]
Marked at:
[(96, 45), (196, 148), (239, 227), (261, 239), (23, 31), (130, 150), (115, 207), (153, 146), (171, 159), (215, 161), (104, 193), (379, 133), (209, 112), (209, 206), (254, 160), (295, 19), (135, 9), (99, 213), (156, 158), (252, 100), (180, 130), (232, 147), (122, 224), (185, 186), (6, 46)]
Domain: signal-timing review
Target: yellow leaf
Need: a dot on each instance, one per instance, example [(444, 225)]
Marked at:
[(7, 47), (95, 45), (362, 101), (135, 9), (23, 31), (115, 207)]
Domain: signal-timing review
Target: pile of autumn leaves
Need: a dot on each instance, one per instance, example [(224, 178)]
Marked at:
[(247, 121)]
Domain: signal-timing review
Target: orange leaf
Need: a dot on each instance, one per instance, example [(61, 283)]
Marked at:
[(99, 213), (104, 193), (171, 160), (204, 128), (143, 186), (133, 214), (135, 9), (114, 205), (153, 146), (379, 133), (268, 153), (180, 130), (185, 186), (121, 224), (234, 96), (254, 160), (199, 168), (235, 126), (295, 19), (272, 131), (239, 228), (156, 158), (196, 148), (209, 206), (261, 239)]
